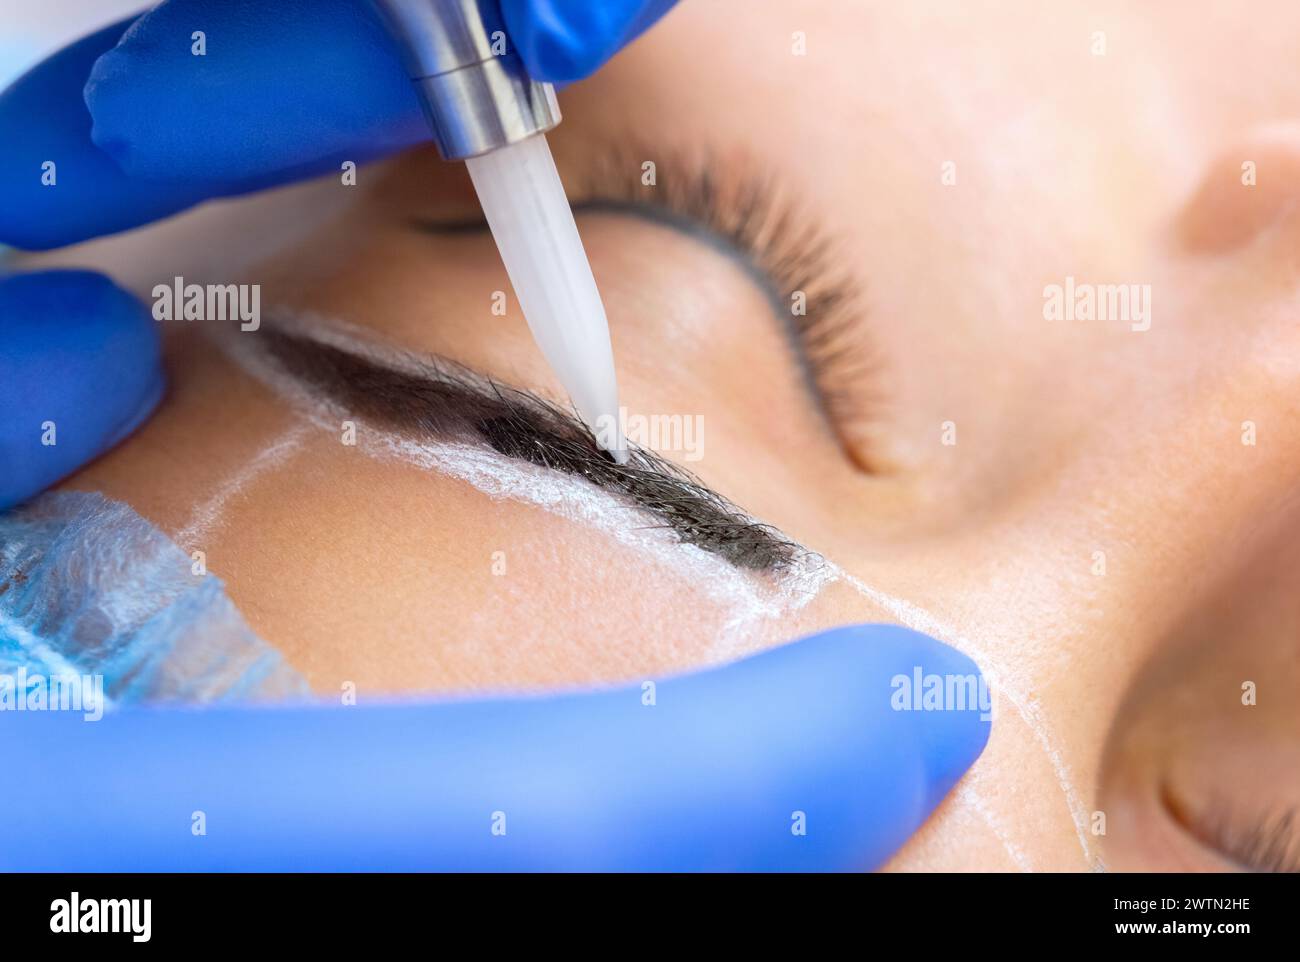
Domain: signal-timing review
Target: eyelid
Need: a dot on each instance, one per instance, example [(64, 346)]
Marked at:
[(744, 216), (1270, 843), (776, 240)]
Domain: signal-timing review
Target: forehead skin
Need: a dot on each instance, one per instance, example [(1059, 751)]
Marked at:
[(1098, 478)]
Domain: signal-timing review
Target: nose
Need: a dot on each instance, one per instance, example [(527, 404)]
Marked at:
[(1189, 445)]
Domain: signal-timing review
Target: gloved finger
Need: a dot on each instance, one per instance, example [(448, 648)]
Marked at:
[(56, 187), (282, 91), (792, 759), (566, 40), (279, 91), (80, 370), (293, 88)]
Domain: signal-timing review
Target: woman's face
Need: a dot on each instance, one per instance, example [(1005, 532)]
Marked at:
[(885, 351)]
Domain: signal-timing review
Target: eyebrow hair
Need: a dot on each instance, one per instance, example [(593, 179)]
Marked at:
[(438, 398)]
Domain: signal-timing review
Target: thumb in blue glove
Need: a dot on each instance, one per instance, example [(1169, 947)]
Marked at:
[(141, 128), (798, 758)]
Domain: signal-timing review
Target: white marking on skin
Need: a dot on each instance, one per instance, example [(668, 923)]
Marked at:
[(207, 516), (912, 616), (971, 796)]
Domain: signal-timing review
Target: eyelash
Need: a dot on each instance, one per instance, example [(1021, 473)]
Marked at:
[(1269, 844), (783, 251)]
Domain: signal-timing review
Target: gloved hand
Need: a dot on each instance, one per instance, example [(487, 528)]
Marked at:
[(138, 128), (792, 759)]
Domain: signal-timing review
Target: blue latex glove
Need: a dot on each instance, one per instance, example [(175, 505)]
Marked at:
[(138, 128), (564, 40), (720, 773)]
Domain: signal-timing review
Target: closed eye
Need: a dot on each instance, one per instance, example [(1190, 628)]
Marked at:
[(1270, 843), (740, 214)]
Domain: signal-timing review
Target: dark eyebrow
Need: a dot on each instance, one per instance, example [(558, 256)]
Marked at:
[(437, 398)]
